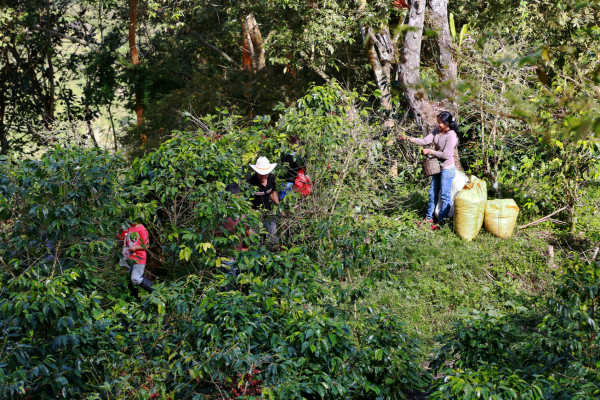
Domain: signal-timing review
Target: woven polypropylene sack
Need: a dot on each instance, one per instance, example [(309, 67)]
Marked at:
[(469, 209), (501, 217)]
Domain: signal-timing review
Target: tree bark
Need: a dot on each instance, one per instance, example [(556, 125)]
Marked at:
[(50, 95), (409, 66), (253, 50), (4, 145), (409, 69), (447, 60), (135, 60), (381, 50)]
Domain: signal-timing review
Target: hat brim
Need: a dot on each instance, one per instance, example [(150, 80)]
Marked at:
[(263, 171)]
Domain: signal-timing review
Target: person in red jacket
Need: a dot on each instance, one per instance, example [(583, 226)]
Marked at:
[(135, 243)]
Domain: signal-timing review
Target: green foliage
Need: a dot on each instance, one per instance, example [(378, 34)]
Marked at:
[(333, 313), (69, 330), (517, 356), (188, 341), (64, 210), (183, 184)]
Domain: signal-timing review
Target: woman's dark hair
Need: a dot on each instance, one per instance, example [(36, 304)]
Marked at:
[(449, 120)]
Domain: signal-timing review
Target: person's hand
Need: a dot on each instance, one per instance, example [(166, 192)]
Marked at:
[(402, 137), (426, 151)]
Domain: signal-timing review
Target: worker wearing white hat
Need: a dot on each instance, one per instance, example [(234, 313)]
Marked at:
[(263, 166), (265, 192)]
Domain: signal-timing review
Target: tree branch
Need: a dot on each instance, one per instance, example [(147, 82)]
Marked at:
[(317, 70), (267, 39), (221, 52), (544, 219), (73, 39)]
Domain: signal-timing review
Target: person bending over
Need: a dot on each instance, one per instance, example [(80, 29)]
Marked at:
[(135, 243)]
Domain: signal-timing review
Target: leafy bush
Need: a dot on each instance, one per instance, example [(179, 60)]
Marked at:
[(511, 356), (187, 341), (183, 184), (68, 329), (64, 210)]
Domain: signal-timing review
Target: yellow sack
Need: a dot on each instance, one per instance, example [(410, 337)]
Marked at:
[(501, 217), (469, 208)]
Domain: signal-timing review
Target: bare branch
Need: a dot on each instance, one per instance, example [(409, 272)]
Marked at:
[(215, 48), (545, 219), (317, 70), (268, 37), (73, 39)]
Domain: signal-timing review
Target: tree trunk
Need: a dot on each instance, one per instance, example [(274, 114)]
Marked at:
[(409, 69), (51, 93), (4, 145), (381, 51), (135, 60), (88, 122), (253, 50), (571, 218), (112, 124), (447, 60)]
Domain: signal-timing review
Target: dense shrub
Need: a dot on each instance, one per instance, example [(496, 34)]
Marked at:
[(64, 210), (278, 330), (186, 341), (183, 183), (303, 320), (517, 356)]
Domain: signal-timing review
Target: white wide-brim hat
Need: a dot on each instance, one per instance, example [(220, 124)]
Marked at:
[(263, 166)]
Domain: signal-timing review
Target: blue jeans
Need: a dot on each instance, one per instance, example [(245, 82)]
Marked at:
[(441, 185)]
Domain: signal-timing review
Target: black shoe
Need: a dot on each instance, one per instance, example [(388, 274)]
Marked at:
[(146, 285)]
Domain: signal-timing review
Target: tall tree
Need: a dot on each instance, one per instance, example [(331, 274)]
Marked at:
[(425, 110), (27, 77), (135, 61)]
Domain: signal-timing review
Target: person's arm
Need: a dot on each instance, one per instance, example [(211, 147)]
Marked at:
[(448, 151), (421, 142), (274, 197)]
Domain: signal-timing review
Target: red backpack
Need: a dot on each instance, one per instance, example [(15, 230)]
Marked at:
[(303, 185)]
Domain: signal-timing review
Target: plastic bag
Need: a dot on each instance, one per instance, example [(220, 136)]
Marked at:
[(303, 184), (458, 183), (469, 208), (501, 217)]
